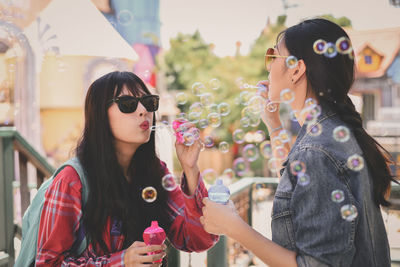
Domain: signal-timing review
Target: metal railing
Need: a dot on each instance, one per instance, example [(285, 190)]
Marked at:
[(242, 191), (14, 146)]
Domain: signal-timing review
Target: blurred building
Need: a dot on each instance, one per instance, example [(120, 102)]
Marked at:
[(50, 52), (377, 82), (138, 22)]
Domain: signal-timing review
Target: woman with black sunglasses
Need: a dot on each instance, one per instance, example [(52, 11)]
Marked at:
[(117, 153), (326, 210)]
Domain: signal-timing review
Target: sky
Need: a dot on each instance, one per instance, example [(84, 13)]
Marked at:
[(224, 22)]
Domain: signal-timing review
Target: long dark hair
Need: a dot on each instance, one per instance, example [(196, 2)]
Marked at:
[(330, 80), (110, 194)]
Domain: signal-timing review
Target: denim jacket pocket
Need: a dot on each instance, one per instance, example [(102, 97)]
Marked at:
[(282, 226)]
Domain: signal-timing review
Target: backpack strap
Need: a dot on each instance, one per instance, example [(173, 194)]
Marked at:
[(75, 163)]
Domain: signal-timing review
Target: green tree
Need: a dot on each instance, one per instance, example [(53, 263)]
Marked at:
[(341, 21), (190, 59)]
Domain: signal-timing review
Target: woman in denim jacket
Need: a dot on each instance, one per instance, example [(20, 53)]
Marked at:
[(326, 209)]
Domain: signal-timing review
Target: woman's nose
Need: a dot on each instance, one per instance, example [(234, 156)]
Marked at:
[(141, 109)]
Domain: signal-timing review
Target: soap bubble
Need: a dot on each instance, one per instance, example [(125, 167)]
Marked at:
[(256, 104), (149, 194), (209, 175), (238, 136), (244, 98), (311, 113), (259, 136), (343, 45), (125, 17), (224, 109), (287, 96), (229, 173), (240, 166), (188, 138), (181, 98), (319, 47), (280, 152), (198, 88), (330, 50), (349, 212), (184, 127), (168, 182), (245, 122), (276, 141), (247, 112), (195, 132), (293, 115), (214, 120), (194, 117), (181, 117), (341, 134), (310, 102), (314, 129), (215, 84), (355, 162), (284, 136), (271, 106), (266, 149), (337, 196), (213, 108), (208, 141), (206, 99), (196, 107), (297, 167), (291, 62), (250, 152), (223, 147), (254, 121), (303, 179), (203, 123)]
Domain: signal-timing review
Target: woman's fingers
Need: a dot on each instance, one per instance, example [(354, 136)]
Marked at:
[(139, 254), (152, 257), (138, 244), (150, 248)]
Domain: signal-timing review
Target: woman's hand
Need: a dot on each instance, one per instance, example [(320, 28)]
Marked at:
[(270, 114), (136, 255), (188, 155), (219, 219)]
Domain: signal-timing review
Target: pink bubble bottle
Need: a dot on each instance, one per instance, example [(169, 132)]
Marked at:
[(154, 235)]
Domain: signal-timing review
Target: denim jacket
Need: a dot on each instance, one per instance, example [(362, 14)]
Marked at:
[(307, 221)]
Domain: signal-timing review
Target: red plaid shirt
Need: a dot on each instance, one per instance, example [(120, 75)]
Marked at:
[(59, 224)]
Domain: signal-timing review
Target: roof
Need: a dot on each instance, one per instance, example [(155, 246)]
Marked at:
[(77, 27), (385, 42)]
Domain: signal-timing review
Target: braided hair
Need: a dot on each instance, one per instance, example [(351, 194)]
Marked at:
[(330, 79)]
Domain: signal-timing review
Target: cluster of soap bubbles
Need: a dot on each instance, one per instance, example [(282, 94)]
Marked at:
[(168, 182), (298, 169), (330, 50), (205, 113)]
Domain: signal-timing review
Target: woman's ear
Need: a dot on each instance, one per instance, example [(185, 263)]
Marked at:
[(298, 71)]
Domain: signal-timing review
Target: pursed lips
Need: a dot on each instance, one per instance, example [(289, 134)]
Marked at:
[(145, 125)]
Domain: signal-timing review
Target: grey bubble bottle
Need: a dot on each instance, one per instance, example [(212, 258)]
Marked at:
[(219, 192)]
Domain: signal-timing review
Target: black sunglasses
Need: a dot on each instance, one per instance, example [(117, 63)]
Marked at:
[(128, 104)]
